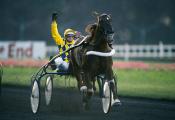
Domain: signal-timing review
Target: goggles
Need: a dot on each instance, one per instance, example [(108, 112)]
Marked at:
[(70, 35)]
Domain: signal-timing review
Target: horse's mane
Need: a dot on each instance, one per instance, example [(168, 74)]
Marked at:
[(90, 29)]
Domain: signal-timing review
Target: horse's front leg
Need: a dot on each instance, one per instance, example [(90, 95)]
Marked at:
[(89, 79), (81, 81), (88, 92), (109, 76)]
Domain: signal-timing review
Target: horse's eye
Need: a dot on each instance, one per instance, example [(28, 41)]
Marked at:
[(108, 18)]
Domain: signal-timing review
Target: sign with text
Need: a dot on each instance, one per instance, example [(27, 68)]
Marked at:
[(21, 49)]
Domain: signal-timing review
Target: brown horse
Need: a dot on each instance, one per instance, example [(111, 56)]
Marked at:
[(94, 57)]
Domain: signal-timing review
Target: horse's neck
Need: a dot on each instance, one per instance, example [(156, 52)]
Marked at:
[(97, 40), (96, 36)]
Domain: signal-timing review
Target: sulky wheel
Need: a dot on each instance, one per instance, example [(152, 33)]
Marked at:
[(48, 89), (35, 96), (107, 97)]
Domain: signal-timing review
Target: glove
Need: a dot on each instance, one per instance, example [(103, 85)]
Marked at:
[(54, 16)]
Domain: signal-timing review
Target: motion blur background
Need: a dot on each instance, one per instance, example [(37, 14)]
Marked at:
[(134, 21)]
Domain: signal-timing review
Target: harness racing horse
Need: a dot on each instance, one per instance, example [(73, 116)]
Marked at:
[(94, 57)]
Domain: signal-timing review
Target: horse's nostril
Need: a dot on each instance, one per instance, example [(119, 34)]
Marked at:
[(108, 32), (110, 37)]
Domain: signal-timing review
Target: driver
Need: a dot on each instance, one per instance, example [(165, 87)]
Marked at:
[(62, 63)]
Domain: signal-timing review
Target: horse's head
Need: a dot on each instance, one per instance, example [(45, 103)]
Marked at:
[(105, 27)]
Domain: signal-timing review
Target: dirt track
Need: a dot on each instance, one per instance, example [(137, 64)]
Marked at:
[(66, 105)]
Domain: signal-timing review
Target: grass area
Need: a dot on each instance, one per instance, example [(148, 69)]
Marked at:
[(159, 84), (17, 76), (147, 83), (20, 76)]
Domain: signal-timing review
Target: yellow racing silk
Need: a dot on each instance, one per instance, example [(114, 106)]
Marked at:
[(62, 44)]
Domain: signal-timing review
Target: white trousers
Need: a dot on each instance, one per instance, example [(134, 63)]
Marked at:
[(61, 65)]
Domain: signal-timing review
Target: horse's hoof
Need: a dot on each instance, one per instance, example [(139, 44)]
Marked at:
[(116, 102), (90, 90), (83, 89)]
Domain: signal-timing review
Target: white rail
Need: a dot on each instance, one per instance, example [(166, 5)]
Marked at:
[(145, 51), (135, 51)]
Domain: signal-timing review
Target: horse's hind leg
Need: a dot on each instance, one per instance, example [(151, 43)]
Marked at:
[(115, 86), (111, 76), (93, 81)]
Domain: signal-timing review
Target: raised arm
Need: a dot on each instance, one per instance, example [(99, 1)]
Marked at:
[(54, 31)]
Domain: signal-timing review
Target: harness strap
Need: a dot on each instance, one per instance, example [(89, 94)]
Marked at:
[(102, 54)]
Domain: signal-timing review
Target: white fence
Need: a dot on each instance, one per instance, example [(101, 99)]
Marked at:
[(145, 51), (135, 51), (38, 49)]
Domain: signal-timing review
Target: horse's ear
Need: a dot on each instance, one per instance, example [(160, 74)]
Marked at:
[(95, 14), (110, 15)]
